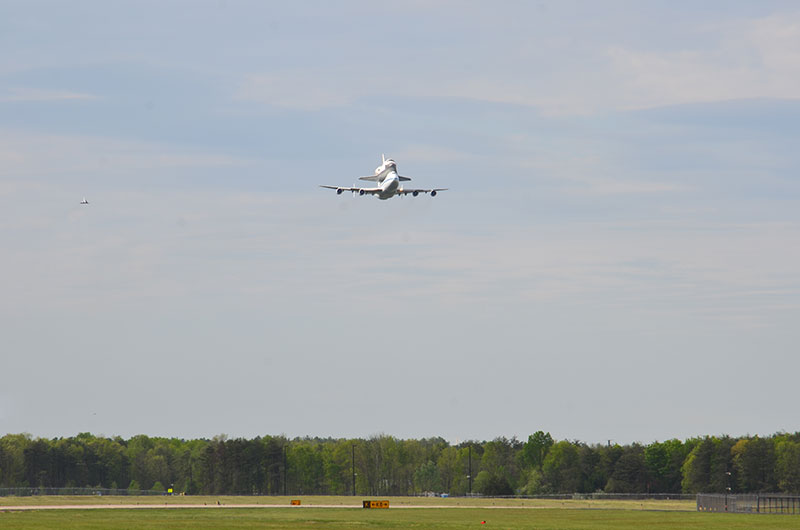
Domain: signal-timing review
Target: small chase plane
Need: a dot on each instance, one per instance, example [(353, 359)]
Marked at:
[(388, 183)]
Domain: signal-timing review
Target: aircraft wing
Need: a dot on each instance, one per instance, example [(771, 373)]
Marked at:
[(415, 192), (360, 191)]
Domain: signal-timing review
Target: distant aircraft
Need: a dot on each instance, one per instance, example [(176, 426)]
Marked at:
[(388, 183), (84, 201)]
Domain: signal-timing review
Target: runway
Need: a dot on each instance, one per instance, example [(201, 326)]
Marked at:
[(162, 506)]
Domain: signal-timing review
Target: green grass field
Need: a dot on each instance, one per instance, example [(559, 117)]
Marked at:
[(582, 515), (428, 518)]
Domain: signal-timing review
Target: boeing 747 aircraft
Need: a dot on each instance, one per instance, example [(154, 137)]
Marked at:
[(388, 183)]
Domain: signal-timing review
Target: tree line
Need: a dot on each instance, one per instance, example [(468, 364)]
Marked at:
[(385, 465)]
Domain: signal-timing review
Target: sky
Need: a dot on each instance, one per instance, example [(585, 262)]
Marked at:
[(617, 256)]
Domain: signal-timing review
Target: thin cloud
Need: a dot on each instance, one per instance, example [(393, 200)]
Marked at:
[(750, 59), (609, 186), (32, 154), (38, 95), (297, 90)]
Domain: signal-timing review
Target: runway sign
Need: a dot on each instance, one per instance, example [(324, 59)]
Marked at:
[(376, 504)]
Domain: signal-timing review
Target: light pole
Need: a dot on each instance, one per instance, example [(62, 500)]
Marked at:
[(469, 472), (727, 489)]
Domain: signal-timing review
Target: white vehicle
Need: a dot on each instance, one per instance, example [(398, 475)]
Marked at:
[(388, 183), (84, 201)]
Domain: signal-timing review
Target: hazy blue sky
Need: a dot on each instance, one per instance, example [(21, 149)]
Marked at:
[(618, 256)]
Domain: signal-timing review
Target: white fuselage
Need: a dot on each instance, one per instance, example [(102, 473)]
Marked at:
[(389, 185), (387, 179)]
